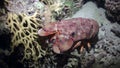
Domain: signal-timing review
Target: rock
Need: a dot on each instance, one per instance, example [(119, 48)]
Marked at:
[(87, 61), (116, 29), (100, 56)]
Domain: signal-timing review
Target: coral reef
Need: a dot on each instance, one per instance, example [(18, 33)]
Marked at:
[(63, 8), (5, 37), (28, 6), (113, 10), (107, 49), (23, 20), (50, 10), (21, 47)]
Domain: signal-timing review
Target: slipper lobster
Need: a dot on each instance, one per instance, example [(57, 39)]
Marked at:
[(66, 32)]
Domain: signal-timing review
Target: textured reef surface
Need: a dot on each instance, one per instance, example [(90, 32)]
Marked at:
[(22, 47), (113, 10)]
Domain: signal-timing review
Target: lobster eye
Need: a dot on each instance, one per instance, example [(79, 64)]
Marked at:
[(72, 34)]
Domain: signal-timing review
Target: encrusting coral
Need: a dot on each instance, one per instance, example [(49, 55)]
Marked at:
[(20, 6), (24, 30), (61, 9), (113, 9)]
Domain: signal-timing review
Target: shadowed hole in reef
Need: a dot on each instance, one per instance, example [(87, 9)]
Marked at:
[(22, 35), (17, 38), (36, 50), (32, 25), (13, 64), (30, 45), (32, 21), (20, 18), (18, 52), (5, 39), (29, 63), (28, 50), (61, 58), (2, 3), (16, 26), (14, 20), (27, 32), (34, 31), (25, 24), (9, 20)]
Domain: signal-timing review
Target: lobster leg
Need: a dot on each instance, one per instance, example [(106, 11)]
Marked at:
[(88, 44), (56, 49), (76, 45), (82, 48)]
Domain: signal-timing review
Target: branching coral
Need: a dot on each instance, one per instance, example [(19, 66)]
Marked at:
[(24, 30)]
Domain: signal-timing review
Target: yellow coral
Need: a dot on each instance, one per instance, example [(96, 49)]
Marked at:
[(24, 29)]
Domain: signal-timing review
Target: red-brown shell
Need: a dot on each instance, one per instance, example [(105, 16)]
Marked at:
[(69, 31)]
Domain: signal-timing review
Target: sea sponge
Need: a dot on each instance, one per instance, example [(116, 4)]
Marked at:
[(24, 32)]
